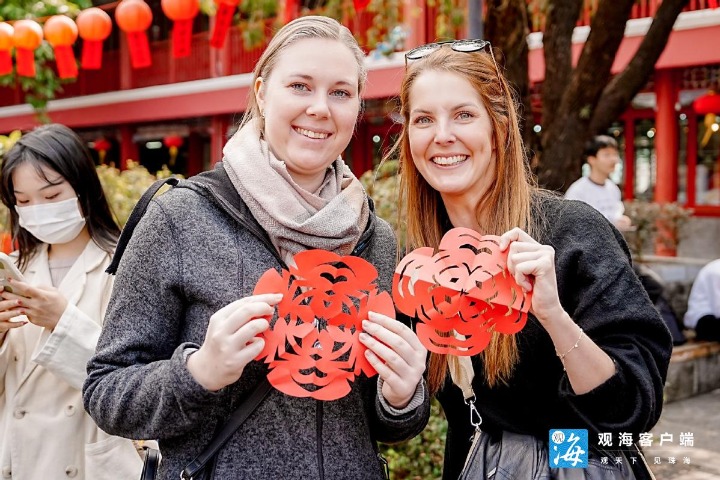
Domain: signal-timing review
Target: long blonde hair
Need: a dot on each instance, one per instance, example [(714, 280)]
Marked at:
[(505, 205)]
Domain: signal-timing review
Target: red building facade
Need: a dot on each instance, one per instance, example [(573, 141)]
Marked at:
[(671, 152)]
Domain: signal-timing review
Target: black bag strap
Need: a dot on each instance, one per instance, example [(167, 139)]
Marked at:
[(246, 408), (135, 217), (151, 464)]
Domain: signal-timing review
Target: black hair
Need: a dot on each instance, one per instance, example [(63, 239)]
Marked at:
[(598, 142), (60, 149)]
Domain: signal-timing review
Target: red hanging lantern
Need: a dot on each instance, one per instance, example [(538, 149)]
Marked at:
[(173, 142), (61, 32), (182, 13), (134, 18), (101, 146), (94, 26), (223, 19), (27, 36), (709, 103), (6, 44)]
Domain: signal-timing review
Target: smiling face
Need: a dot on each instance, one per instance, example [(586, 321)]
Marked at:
[(450, 136), (310, 103)]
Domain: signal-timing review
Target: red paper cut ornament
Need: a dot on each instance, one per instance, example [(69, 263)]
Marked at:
[(312, 348), (173, 142), (182, 13), (101, 146), (27, 36), (461, 294), (223, 19), (61, 32), (134, 18), (94, 26), (6, 45)]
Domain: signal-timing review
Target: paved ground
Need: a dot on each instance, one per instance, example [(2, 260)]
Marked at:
[(700, 416)]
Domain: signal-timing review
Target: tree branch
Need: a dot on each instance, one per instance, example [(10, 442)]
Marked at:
[(507, 29), (618, 94), (562, 16), (593, 68)]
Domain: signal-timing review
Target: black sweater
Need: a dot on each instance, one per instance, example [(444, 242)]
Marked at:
[(602, 294)]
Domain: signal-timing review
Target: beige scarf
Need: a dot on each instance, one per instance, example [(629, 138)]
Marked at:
[(331, 218)]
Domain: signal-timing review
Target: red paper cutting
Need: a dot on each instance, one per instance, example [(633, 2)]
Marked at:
[(461, 294), (312, 348)]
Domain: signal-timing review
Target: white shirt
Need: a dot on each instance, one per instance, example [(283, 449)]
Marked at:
[(603, 198), (705, 295)]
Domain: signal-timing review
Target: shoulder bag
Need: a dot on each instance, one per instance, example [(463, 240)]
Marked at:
[(518, 456)]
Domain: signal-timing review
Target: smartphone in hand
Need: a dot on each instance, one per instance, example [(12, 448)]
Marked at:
[(9, 270)]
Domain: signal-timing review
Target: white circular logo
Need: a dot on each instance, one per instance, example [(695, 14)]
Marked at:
[(558, 437)]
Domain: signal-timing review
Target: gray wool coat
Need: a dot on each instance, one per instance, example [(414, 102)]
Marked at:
[(194, 251)]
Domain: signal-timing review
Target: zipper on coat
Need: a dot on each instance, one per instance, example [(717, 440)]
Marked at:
[(319, 424)]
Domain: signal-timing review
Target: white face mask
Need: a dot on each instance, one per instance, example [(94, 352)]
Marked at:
[(53, 223)]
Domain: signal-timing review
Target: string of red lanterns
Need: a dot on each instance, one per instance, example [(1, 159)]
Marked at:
[(93, 26)]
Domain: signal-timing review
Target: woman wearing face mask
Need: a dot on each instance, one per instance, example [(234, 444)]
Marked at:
[(176, 354), (65, 236)]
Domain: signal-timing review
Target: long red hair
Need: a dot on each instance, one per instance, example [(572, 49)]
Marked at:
[(506, 204)]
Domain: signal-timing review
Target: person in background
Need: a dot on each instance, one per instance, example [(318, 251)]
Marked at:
[(50, 323), (597, 190), (593, 339), (176, 355), (703, 313)]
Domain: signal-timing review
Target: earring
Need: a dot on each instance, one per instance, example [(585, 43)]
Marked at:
[(262, 114)]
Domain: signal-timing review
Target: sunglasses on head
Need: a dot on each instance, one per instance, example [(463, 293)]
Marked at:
[(464, 46)]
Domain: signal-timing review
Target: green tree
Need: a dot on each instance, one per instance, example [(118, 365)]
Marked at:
[(582, 100)]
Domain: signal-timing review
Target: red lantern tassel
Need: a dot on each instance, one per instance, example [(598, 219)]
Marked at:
[(139, 49), (361, 5), (181, 37), (5, 62), (25, 62), (65, 60), (291, 10), (223, 19), (92, 54)]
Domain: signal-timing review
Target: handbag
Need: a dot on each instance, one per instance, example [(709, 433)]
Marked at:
[(196, 469), (524, 457)]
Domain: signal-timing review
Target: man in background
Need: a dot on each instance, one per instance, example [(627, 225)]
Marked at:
[(597, 190), (703, 313)]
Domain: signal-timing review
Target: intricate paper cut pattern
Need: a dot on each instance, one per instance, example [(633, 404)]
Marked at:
[(312, 348), (461, 294)]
